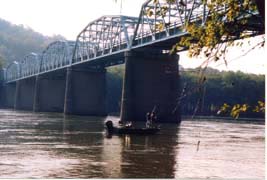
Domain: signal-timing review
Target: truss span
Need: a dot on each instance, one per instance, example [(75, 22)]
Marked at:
[(157, 21), (58, 54), (105, 35), (12, 71), (30, 65), (161, 19), (160, 24)]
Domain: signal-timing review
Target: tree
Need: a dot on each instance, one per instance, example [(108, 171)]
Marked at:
[(222, 28), (1, 61), (220, 32)]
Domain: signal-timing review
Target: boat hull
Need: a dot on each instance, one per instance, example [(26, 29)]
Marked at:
[(129, 129), (143, 131)]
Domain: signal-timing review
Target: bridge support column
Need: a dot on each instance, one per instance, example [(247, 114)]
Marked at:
[(2, 95), (85, 92), (36, 100), (8, 95), (49, 93), (150, 82), (24, 94)]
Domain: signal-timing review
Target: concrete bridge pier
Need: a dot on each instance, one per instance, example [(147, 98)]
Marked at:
[(8, 94), (24, 94), (49, 92), (150, 82), (85, 92), (36, 99)]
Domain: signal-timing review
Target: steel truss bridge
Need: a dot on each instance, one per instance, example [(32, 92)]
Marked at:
[(103, 42)]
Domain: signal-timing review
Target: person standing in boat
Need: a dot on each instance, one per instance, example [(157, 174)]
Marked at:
[(153, 118), (148, 120)]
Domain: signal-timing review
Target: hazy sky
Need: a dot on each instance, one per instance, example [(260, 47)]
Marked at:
[(65, 17), (69, 17)]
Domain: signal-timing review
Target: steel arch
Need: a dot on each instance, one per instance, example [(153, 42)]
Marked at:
[(160, 19), (57, 55), (103, 36), (30, 65), (12, 71)]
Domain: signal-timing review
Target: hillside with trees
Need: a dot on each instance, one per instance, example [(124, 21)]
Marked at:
[(16, 41)]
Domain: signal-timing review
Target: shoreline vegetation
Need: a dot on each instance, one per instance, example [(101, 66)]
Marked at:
[(220, 87)]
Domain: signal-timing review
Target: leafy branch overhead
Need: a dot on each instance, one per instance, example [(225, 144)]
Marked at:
[(222, 28), (238, 109)]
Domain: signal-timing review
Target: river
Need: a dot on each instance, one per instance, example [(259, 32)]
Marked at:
[(49, 145)]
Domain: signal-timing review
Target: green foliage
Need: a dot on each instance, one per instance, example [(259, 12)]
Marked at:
[(260, 107), (228, 93), (114, 86), (218, 89), (221, 29), (2, 60), (236, 110)]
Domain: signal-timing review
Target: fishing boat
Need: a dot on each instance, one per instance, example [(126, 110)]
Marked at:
[(124, 129)]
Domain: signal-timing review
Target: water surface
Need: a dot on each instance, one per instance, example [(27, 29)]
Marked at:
[(49, 145)]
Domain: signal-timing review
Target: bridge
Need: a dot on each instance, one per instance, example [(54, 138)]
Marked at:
[(69, 76)]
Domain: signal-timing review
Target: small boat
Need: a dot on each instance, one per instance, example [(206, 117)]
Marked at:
[(130, 130)]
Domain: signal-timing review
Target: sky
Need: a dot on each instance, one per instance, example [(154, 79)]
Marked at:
[(69, 17)]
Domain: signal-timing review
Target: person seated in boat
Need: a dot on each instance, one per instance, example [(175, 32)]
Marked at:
[(120, 123), (129, 124)]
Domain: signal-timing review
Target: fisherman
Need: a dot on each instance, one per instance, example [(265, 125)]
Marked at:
[(129, 124), (153, 117), (148, 120), (120, 123)]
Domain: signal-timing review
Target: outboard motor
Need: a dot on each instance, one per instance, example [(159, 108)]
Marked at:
[(110, 128)]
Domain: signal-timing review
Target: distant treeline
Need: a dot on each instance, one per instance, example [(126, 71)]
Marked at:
[(16, 41), (205, 97)]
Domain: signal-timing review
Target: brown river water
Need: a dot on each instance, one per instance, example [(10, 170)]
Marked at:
[(49, 145)]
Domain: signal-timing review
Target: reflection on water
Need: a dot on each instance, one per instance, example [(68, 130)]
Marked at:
[(43, 145)]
